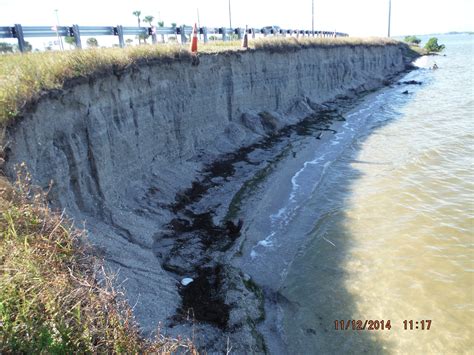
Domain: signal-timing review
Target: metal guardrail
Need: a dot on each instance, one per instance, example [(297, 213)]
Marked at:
[(75, 31)]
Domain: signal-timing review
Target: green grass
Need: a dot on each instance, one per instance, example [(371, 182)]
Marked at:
[(24, 77), (50, 299), (419, 50)]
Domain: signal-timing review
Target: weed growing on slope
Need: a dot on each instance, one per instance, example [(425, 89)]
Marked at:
[(50, 298)]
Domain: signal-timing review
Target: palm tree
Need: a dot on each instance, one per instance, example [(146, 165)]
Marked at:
[(162, 24), (173, 26), (137, 14), (149, 20)]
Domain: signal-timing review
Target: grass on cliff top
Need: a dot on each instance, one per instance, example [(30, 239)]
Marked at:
[(50, 299), (23, 77), (284, 44)]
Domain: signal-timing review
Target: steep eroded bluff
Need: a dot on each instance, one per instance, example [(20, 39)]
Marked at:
[(119, 147)]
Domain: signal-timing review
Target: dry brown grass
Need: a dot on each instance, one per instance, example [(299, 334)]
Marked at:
[(284, 44), (24, 76), (50, 298)]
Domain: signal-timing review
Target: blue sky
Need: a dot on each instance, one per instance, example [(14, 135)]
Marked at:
[(356, 17)]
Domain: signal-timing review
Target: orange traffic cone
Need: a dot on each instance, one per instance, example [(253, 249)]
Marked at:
[(194, 40), (245, 40)]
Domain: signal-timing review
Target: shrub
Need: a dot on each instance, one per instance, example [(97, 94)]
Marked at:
[(433, 46), (412, 40), (50, 298), (92, 42), (6, 47)]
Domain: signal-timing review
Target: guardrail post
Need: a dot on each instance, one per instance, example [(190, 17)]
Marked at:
[(204, 30), (183, 35), (152, 30), (120, 36), (77, 36), (19, 36), (239, 33), (224, 34)]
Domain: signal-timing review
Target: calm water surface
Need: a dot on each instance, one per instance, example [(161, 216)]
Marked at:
[(393, 234)]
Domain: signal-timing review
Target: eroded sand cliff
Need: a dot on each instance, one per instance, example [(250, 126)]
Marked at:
[(120, 147)]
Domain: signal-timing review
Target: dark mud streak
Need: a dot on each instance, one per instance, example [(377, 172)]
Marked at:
[(203, 299)]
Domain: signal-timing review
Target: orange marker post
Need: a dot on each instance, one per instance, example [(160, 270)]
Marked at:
[(194, 40)]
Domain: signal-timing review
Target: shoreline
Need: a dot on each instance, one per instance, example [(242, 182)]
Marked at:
[(279, 251), (242, 174), (119, 160)]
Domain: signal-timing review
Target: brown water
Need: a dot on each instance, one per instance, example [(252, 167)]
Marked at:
[(391, 236)]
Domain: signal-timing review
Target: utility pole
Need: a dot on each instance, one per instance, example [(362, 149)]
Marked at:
[(230, 17), (60, 40), (199, 23), (389, 15), (312, 21)]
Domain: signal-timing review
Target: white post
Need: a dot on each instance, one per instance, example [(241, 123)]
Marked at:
[(230, 17), (57, 31), (389, 15)]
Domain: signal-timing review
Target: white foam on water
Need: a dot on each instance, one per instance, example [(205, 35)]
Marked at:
[(303, 179), (267, 242), (278, 215)]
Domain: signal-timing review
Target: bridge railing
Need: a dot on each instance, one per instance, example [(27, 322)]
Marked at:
[(75, 31)]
